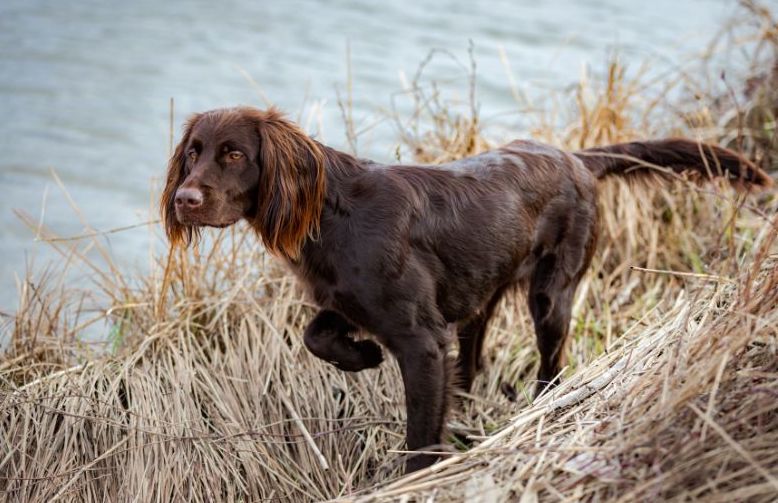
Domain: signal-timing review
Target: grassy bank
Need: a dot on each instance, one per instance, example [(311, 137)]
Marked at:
[(207, 393)]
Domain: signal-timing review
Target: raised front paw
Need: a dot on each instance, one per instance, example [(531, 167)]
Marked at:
[(362, 355), (372, 355)]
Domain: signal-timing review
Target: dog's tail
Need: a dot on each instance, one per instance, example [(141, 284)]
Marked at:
[(664, 158)]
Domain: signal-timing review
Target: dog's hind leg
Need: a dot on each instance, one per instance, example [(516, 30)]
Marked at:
[(550, 303), (565, 242), (327, 336), (471, 341)]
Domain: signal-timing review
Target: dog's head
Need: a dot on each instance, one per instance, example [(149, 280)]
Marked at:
[(245, 163)]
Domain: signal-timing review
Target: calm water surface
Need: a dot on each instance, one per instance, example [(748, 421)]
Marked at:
[(85, 85)]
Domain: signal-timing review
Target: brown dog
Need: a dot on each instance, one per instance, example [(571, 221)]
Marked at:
[(404, 252)]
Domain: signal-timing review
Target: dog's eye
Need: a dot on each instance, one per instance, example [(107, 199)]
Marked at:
[(192, 154), (235, 155)]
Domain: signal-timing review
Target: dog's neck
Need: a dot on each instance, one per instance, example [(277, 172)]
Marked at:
[(341, 165), (340, 169)]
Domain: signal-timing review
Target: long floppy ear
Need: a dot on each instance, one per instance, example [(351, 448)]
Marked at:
[(176, 174), (291, 185)]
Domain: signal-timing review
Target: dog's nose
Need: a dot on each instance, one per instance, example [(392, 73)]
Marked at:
[(189, 198)]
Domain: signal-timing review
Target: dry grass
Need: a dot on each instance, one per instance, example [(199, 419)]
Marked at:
[(207, 393), (683, 407)]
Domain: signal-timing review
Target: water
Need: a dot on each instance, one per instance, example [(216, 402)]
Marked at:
[(85, 85)]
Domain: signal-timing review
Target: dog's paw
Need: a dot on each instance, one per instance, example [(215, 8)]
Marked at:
[(371, 353), (361, 355), (543, 386)]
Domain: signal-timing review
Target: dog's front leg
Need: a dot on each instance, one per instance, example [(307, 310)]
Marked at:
[(327, 336), (424, 371)]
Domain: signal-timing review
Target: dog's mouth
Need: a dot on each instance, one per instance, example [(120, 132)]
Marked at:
[(201, 219)]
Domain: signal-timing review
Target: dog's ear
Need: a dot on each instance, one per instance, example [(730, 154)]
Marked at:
[(176, 174), (291, 184)]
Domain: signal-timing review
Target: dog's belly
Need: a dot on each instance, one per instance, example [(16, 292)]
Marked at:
[(471, 276)]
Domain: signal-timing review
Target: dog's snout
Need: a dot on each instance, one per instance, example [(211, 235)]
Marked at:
[(189, 198)]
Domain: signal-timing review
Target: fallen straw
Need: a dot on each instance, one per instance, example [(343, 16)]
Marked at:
[(308, 438)]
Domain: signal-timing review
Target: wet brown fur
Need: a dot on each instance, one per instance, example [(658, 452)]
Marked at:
[(418, 255)]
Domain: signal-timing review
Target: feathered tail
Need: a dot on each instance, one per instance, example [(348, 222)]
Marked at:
[(662, 158)]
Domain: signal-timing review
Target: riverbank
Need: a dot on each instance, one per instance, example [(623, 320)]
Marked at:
[(208, 394)]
